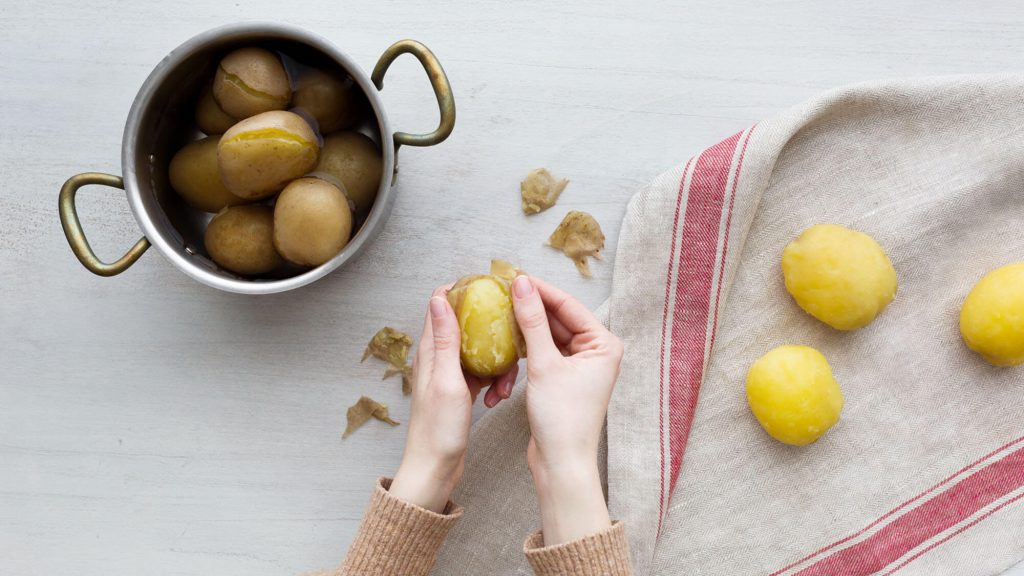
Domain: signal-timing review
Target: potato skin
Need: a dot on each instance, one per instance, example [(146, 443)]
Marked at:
[(195, 176), (240, 239), (355, 160), (260, 155), (992, 317), (251, 81), (793, 395), (335, 102), (483, 307), (840, 276), (312, 222), (210, 118)]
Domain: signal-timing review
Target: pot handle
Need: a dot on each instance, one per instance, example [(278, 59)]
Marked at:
[(438, 80), (76, 236)]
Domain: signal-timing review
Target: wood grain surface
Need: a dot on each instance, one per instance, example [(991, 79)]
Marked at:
[(151, 425)]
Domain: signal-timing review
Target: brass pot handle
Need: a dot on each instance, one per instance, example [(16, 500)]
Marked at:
[(438, 80), (73, 228)]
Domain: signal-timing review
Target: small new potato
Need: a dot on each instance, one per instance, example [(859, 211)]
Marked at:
[(992, 317), (490, 336), (241, 239), (332, 100), (312, 222), (195, 176), (354, 160), (260, 155), (793, 395), (840, 276), (210, 118), (250, 81)]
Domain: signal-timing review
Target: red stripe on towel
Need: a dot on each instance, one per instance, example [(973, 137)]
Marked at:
[(958, 532), (892, 512), (725, 240), (664, 327), (938, 514), (695, 276)]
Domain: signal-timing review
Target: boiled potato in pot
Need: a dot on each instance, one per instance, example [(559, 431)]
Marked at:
[(491, 340), (210, 118), (354, 160), (335, 102), (312, 221), (250, 81), (195, 176), (241, 239), (260, 155)]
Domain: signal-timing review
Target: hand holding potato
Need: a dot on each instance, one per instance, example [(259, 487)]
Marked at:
[(442, 403)]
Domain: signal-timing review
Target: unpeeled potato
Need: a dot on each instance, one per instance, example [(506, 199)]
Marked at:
[(250, 81), (240, 239), (195, 176), (312, 222), (260, 155), (335, 102), (210, 118), (354, 160)]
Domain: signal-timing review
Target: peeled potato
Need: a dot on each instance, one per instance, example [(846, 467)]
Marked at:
[(260, 155), (312, 222), (840, 276), (793, 395), (210, 118), (491, 340), (250, 81), (195, 176), (992, 317), (335, 102), (240, 239), (355, 161)]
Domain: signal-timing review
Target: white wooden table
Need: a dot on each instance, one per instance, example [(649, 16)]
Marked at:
[(150, 425)]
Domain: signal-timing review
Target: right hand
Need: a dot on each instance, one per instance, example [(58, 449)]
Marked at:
[(573, 362)]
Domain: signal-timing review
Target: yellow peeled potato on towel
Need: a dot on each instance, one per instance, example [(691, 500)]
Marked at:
[(992, 318), (793, 395), (840, 276)]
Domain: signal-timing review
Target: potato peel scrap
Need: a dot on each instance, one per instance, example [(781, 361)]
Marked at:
[(362, 411), (540, 191), (579, 236), (392, 346), (406, 372)]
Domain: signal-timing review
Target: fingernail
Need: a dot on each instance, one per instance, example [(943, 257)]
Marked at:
[(522, 286), (506, 389), (437, 307), (489, 401)]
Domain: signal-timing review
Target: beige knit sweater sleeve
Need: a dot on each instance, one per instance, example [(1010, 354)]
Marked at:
[(400, 539)]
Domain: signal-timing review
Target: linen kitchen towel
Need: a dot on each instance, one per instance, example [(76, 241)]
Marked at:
[(923, 474)]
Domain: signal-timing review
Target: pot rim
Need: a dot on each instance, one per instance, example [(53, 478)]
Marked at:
[(268, 30)]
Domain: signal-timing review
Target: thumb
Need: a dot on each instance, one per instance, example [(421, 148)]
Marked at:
[(532, 319), (445, 329)]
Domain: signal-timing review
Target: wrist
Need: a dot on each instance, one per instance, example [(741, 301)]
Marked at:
[(428, 484), (571, 501)]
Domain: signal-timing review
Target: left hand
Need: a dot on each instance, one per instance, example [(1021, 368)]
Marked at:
[(442, 406)]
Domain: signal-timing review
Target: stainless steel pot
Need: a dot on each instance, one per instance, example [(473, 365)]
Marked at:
[(160, 122)]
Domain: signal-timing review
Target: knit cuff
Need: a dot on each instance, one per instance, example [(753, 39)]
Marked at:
[(603, 554), (397, 537)]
